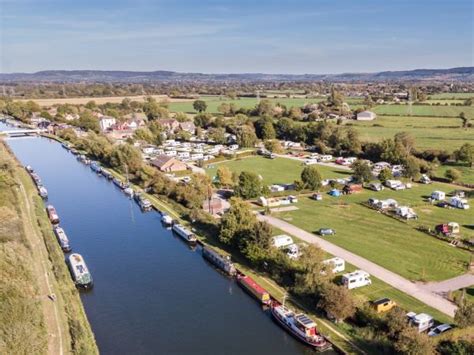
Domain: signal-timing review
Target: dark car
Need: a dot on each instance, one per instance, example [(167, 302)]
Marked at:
[(326, 231)]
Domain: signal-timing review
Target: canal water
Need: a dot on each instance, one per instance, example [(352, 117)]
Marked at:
[(152, 294)]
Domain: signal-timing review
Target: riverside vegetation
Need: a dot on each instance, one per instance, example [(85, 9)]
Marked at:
[(26, 313)]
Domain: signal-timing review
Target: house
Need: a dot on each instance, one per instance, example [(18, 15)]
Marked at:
[(168, 164), (356, 279), (187, 126), (366, 116), (169, 124)]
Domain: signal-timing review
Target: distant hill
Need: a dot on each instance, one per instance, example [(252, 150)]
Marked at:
[(453, 74)]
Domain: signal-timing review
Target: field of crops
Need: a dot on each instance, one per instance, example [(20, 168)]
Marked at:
[(274, 171), (430, 132), (393, 244), (424, 110)]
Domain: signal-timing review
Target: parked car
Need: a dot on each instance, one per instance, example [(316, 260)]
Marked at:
[(326, 231), (439, 330)]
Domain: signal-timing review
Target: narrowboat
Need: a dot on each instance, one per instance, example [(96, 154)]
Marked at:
[(29, 169), (106, 174), (184, 233), (52, 214), (166, 219), (95, 167), (143, 202), (300, 326), (254, 289), (79, 271), (118, 183), (43, 192), (62, 239), (66, 146), (128, 191), (36, 178), (221, 261)]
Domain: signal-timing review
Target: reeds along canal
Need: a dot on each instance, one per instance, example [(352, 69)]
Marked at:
[(151, 292)]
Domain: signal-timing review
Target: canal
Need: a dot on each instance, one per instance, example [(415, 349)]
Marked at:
[(152, 293)]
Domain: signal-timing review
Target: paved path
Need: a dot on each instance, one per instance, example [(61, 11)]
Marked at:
[(395, 280), (445, 286)]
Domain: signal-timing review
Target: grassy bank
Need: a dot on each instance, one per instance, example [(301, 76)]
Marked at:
[(28, 304)]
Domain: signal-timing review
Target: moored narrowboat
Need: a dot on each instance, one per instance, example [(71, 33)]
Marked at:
[(43, 192), (79, 271), (52, 214), (254, 289), (166, 219), (62, 239), (222, 262), (184, 233), (300, 326)]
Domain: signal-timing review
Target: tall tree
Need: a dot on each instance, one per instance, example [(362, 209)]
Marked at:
[(361, 171), (249, 185), (311, 177), (336, 301), (200, 105)]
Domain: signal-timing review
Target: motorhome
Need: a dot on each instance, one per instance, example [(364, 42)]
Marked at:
[(358, 278), (282, 241), (420, 321), (337, 264)]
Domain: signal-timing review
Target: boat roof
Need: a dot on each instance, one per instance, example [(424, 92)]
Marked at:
[(248, 280), (305, 321)]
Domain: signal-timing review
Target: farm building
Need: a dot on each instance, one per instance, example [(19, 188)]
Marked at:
[(168, 164), (366, 116)]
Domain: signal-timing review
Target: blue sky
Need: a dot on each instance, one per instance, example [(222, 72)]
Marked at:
[(319, 36)]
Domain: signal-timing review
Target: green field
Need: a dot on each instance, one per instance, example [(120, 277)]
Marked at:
[(213, 102), (390, 243), (274, 171), (424, 110), (430, 132), (467, 172), (452, 95)]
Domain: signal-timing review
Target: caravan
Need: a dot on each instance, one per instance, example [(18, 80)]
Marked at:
[(459, 203), (337, 264), (420, 321), (358, 278), (282, 241)]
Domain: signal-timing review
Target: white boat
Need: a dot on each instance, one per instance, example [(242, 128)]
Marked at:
[(79, 271), (43, 192), (166, 219), (62, 239), (128, 191), (184, 233)]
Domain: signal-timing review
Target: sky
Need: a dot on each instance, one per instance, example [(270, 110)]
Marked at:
[(239, 36)]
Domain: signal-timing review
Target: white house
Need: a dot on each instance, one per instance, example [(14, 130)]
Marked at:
[(106, 122), (366, 116), (356, 279)]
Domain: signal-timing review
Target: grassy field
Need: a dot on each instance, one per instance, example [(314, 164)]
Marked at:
[(451, 95), (390, 243), (430, 132), (274, 171), (467, 172), (424, 110)]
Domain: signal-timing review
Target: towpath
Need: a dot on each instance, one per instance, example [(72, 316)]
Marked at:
[(419, 292)]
